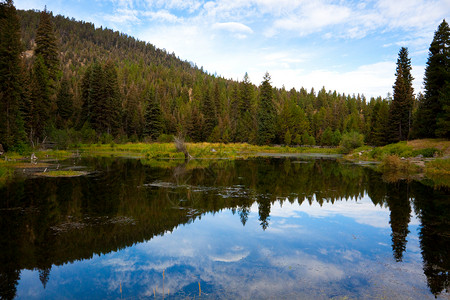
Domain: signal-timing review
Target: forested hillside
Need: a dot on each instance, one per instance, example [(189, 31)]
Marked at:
[(76, 83)]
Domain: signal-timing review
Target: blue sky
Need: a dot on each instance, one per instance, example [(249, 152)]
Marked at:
[(347, 46)]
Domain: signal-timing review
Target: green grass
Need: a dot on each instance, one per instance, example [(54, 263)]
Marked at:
[(438, 166), (400, 149), (61, 173), (197, 150)]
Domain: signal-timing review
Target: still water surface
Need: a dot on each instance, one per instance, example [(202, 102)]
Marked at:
[(268, 228)]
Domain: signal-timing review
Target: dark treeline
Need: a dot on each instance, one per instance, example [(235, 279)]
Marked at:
[(53, 221), (70, 82)]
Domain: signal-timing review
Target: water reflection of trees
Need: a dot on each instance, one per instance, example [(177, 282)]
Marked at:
[(47, 222)]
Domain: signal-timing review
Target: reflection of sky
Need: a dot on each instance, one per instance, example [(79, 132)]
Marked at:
[(308, 252)]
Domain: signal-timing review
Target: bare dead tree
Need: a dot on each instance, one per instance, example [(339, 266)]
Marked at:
[(180, 145)]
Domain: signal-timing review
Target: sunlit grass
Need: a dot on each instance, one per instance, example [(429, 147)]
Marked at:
[(61, 173), (58, 154), (438, 166), (196, 150)]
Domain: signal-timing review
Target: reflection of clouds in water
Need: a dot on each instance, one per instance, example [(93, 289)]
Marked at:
[(308, 265), (362, 211), (350, 255), (230, 257), (259, 268), (120, 264)]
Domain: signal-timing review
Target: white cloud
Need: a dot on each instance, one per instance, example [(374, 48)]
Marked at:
[(233, 27), (123, 16), (162, 15), (313, 17)]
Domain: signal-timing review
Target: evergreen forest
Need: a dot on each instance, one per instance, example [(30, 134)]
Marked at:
[(68, 82)]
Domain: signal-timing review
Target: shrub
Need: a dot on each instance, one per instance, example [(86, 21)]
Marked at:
[(166, 138), (336, 139), (351, 141), (287, 138), (427, 152), (106, 138)]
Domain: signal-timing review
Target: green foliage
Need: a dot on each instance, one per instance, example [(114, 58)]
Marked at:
[(165, 138), (106, 138), (266, 113), (153, 119), (11, 81), (41, 104), (88, 135), (427, 152), (401, 108), (399, 149), (439, 166), (308, 139), (336, 138), (443, 119), (392, 163), (327, 137), (351, 141), (101, 98), (64, 102), (287, 138), (297, 139), (379, 133), (46, 46), (437, 75)]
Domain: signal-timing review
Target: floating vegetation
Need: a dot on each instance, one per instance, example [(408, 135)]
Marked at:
[(62, 173)]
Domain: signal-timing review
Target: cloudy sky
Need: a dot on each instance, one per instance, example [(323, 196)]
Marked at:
[(345, 45)]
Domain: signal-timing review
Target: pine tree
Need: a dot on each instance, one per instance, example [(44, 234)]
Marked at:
[(96, 99), (327, 137), (266, 113), (46, 45), (112, 106), (153, 119), (381, 125), (403, 99), (64, 102), (11, 122), (245, 117), (40, 101), (437, 74), (209, 113), (85, 96), (287, 138), (443, 121)]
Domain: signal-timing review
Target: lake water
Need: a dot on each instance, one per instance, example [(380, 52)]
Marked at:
[(267, 228)]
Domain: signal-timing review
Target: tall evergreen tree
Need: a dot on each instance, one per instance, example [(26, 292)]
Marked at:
[(381, 125), (101, 97), (245, 118), (64, 102), (209, 112), (40, 101), (11, 122), (437, 74), (153, 119), (266, 113), (112, 104), (47, 46), (403, 99), (96, 98), (443, 120)]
